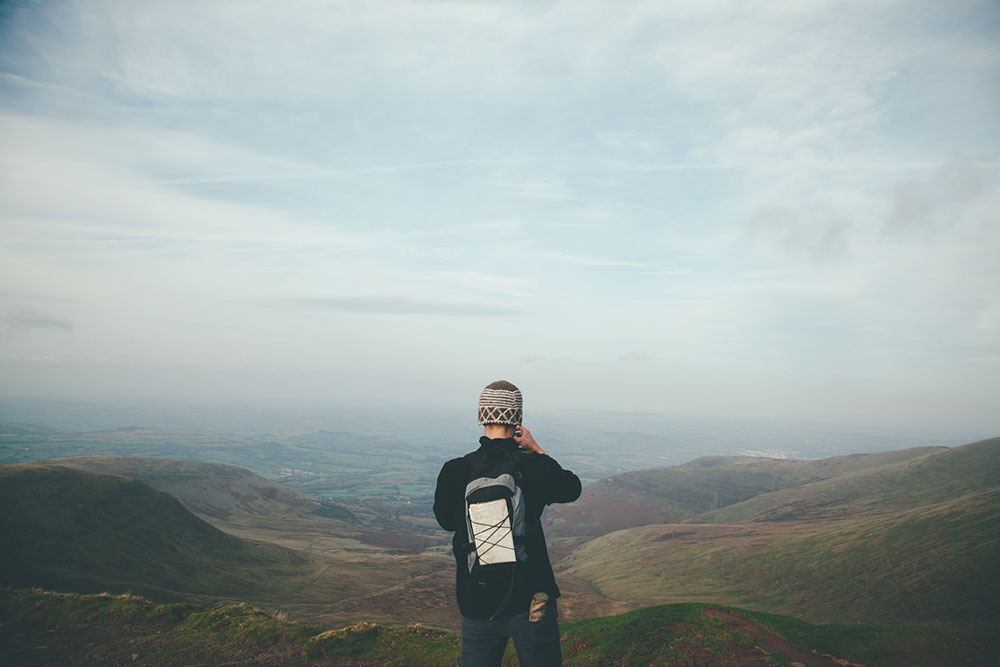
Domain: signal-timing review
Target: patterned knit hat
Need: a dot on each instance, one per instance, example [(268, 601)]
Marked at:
[(500, 403)]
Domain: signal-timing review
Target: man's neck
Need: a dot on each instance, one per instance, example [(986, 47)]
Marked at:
[(498, 431)]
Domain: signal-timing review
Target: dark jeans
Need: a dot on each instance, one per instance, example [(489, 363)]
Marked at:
[(537, 644)]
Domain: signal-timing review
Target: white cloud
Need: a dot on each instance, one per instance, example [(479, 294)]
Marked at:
[(765, 195), (23, 319)]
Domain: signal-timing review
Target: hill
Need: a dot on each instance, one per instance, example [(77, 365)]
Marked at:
[(679, 493), (213, 490), (44, 628), (935, 562), (908, 483), (912, 535), (70, 529), (242, 503)]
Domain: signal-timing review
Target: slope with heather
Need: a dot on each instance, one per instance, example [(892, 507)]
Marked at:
[(938, 476), (679, 493), (914, 538), (936, 562)]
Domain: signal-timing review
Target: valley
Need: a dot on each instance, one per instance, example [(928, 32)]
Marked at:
[(900, 536)]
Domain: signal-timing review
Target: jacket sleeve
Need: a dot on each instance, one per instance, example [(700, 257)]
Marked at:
[(561, 486), (449, 503)]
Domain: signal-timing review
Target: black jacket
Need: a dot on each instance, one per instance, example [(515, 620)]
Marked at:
[(483, 595)]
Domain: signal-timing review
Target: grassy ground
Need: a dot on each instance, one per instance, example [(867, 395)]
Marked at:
[(42, 628)]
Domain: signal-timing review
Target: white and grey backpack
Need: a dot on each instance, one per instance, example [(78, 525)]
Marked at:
[(494, 509)]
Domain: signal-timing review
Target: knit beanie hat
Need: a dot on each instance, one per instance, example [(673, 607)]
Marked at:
[(500, 403)]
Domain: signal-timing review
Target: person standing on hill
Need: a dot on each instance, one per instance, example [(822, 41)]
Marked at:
[(493, 499)]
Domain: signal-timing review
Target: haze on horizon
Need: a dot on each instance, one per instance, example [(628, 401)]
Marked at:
[(717, 208)]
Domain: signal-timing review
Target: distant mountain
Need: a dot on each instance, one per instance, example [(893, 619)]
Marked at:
[(680, 493), (69, 529)]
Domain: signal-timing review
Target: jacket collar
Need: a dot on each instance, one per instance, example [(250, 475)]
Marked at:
[(504, 443)]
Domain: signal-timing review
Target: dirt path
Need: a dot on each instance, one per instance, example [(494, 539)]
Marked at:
[(773, 642)]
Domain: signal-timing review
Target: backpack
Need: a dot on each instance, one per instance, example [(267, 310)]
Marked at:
[(494, 509)]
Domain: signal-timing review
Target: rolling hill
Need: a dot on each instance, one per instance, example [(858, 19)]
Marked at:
[(74, 530), (937, 562), (242, 503), (938, 476), (211, 490), (679, 493), (908, 535)]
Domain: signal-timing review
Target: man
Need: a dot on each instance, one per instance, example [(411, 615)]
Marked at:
[(514, 596)]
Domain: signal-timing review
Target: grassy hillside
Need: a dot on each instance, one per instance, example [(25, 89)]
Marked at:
[(934, 562), (678, 493), (72, 530), (896, 485), (80, 531), (377, 476), (43, 628), (242, 503), (213, 490)]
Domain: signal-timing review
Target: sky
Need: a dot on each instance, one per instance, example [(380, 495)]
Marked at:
[(693, 207)]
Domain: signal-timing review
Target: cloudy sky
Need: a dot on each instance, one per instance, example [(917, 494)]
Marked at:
[(692, 207)]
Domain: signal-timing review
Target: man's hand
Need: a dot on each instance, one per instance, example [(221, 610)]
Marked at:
[(527, 442)]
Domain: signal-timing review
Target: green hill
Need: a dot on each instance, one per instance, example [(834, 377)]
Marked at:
[(895, 485), (212, 490), (936, 562), (242, 503), (75, 530), (42, 628), (680, 493), (907, 535)]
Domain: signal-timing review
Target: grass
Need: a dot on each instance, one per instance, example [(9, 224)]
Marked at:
[(367, 642), (932, 475), (937, 562), (72, 530), (628, 637), (709, 489), (83, 531), (899, 644), (41, 628)]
